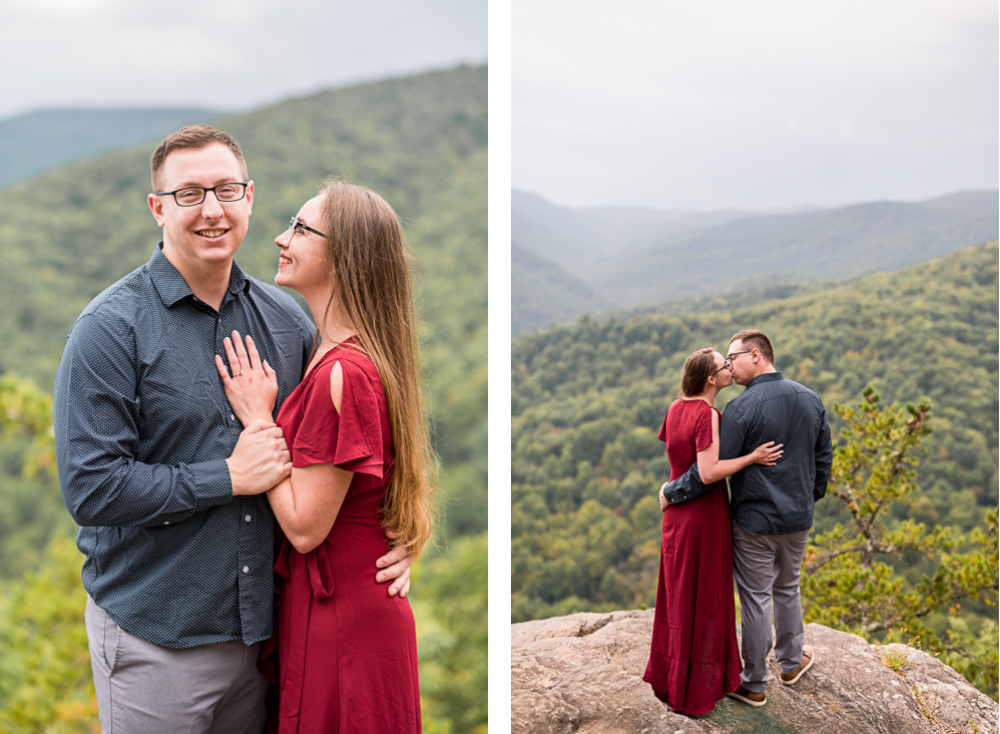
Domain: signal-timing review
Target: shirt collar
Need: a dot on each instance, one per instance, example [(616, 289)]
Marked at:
[(171, 286), (766, 377)]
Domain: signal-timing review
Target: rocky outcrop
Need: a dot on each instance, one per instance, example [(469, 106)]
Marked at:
[(582, 674)]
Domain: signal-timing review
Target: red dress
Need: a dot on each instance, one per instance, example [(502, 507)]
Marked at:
[(347, 651), (694, 660)]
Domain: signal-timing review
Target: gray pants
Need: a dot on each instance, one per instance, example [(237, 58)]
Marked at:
[(144, 688), (767, 568)]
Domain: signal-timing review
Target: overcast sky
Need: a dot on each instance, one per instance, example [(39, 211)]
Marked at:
[(223, 54), (766, 104)]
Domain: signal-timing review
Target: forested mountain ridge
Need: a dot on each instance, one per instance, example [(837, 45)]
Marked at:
[(632, 256), (588, 398), (542, 293), (34, 141), (67, 234)]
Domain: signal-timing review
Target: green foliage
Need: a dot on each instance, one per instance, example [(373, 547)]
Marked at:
[(27, 412), (974, 655), (45, 678), (31, 511), (848, 582), (449, 601), (894, 659)]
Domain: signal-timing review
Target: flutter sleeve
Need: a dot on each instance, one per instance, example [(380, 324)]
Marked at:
[(662, 435), (350, 439), (703, 428)]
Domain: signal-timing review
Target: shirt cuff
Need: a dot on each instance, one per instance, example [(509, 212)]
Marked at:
[(212, 484)]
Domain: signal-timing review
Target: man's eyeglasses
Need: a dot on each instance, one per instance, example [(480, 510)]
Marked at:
[(730, 357), (194, 195), (295, 225)]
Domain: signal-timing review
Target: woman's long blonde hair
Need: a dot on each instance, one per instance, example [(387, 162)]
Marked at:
[(371, 270)]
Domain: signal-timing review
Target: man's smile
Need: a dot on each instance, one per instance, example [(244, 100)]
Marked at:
[(212, 233)]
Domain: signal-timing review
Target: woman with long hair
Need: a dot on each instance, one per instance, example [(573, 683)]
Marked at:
[(362, 466), (694, 660)]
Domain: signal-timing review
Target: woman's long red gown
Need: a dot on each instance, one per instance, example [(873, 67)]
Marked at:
[(347, 651), (694, 659)]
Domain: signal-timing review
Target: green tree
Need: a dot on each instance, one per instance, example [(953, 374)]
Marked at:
[(851, 581), (450, 606), (973, 655), (45, 679), (26, 412)]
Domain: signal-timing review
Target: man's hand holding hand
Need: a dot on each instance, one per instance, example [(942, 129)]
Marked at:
[(395, 566), (260, 459), (663, 500)]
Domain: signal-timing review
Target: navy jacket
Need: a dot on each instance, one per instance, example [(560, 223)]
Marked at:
[(775, 500)]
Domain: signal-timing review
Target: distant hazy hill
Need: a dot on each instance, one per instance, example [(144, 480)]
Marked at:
[(554, 233), (639, 256), (827, 244), (543, 294), (575, 238), (35, 141), (67, 234)]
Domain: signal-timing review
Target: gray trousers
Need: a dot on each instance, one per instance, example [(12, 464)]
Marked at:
[(144, 688), (767, 569)]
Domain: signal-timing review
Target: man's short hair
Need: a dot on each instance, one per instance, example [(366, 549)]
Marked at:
[(192, 136), (756, 339)]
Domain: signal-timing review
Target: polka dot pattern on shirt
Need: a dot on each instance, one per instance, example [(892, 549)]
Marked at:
[(143, 429)]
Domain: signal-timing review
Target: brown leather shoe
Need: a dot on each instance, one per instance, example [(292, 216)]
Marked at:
[(808, 658), (754, 699)]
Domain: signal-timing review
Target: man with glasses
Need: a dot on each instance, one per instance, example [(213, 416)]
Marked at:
[(772, 508), (167, 486)]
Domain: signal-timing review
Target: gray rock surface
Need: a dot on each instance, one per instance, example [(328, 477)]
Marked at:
[(582, 674)]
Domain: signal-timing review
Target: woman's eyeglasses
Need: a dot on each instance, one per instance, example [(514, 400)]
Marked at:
[(297, 226)]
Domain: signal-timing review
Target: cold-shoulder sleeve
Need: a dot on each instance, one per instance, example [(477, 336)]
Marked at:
[(351, 439), (703, 428)]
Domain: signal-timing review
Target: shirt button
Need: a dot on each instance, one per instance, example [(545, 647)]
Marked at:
[(246, 569), (232, 417), (166, 522), (248, 518)]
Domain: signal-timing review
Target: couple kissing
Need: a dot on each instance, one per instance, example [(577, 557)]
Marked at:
[(773, 442)]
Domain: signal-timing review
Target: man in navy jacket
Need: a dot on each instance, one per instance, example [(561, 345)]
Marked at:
[(771, 507)]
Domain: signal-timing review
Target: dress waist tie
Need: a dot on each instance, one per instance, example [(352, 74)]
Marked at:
[(319, 567)]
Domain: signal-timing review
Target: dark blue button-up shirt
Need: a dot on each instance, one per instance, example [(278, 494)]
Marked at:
[(143, 429), (774, 500)]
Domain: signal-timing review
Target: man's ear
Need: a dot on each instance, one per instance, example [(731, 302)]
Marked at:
[(156, 207), (249, 196)]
